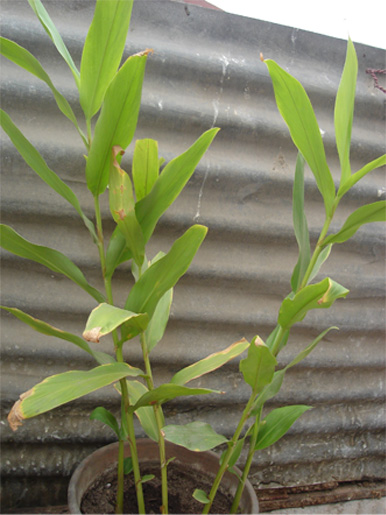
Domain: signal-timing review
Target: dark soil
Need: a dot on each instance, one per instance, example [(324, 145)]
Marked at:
[(100, 497)]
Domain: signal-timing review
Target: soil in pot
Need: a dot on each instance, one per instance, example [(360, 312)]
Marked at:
[(100, 496)]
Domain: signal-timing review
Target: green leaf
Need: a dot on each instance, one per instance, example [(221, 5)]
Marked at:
[(105, 318), (315, 296), (167, 392), (164, 274), (102, 52), (147, 477), (273, 335), (277, 423), (235, 454), (106, 417), (369, 213), (52, 31), (210, 363), (49, 330), (269, 391), (34, 160), (274, 386), (127, 465), (122, 207), (296, 109), (158, 322), (170, 183), (305, 352), (349, 183), (26, 60), (201, 496), (344, 111), (258, 367), (196, 436), (322, 258), (54, 260), (117, 252), (145, 166), (300, 225), (146, 415), (117, 121), (62, 388)]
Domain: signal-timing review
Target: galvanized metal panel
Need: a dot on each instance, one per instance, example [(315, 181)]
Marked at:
[(205, 72)]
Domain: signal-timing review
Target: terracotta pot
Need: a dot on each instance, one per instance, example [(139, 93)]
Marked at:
[(107, 457)]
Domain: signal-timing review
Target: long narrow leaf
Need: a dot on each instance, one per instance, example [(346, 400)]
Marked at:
[(157, 325), (165, 273), (276, 424), (274, 386), (106, 417), (54, 260), (59, 389), (146, 415), (167, 392), (26, 60), (35, 161), (52, 31), (369, 213), (315, 296), (50, 330), (322, 258), (196, 436), (102, 51), (344, 110), (170, 183), (145, 167), (376, 163), (210, 363), (300, 225), (117, 252), (117, 121), (105, 318), (296, 109), (122, 207)]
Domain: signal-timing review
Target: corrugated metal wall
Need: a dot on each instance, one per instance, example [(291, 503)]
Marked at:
[(205, 72)]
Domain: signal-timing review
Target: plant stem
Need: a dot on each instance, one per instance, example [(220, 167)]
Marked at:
[(127, 422), (228, 454), (318, 247), (159, 420), (119, 504), (276, 343), (251, 452)]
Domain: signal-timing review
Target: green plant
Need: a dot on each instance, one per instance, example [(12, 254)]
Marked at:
[(259, 367), (113, 94)]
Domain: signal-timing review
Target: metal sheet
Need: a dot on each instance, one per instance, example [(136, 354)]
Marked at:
[(205, 71)]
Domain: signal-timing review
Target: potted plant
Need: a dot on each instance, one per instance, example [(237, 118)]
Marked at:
[(136, 204)]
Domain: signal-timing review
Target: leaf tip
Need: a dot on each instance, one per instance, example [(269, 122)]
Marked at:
[(93, 335), (16, 417)]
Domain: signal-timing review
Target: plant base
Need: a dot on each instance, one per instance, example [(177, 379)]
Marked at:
[(92, 488)]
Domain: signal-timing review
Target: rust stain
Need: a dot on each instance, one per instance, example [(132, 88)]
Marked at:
[(121, 213)]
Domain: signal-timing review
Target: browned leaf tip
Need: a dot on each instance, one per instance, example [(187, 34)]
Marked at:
[(16, 417), (92, 335), (144, 52), (116, 151), (261, 56)]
